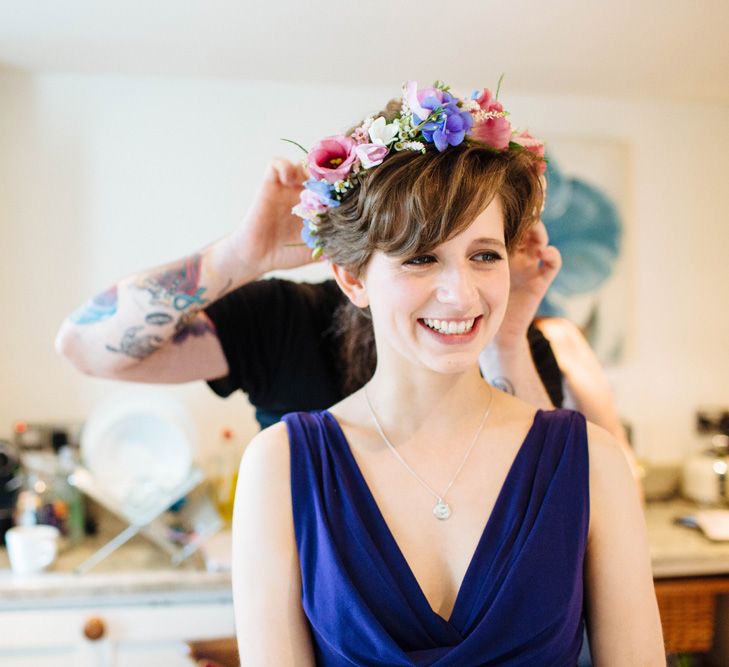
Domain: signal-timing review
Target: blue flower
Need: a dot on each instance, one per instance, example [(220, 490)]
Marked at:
[(309, 237), (323, 190)]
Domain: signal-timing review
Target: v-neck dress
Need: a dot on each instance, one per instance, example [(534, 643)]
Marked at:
[(521, 599)]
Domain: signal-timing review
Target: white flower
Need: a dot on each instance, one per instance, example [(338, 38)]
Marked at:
[(413, 146), (383, 134), (470, 105), (367, 123)]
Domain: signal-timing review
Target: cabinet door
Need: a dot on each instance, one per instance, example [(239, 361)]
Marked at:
[(50, 638), (122, 636), (153, 636)]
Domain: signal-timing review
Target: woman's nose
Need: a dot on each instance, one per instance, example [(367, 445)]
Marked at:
[(457, 287)]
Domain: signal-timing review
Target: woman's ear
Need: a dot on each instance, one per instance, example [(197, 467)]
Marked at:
[(352, 286)]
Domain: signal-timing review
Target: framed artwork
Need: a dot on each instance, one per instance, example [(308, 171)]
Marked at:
[(586, 216)]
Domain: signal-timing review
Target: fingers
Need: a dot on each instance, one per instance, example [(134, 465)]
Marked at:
[(535, 240), (537, 235), (551, 258), (286, 172), (551, 263)]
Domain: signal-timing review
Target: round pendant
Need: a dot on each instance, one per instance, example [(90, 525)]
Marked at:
[(442, 510)]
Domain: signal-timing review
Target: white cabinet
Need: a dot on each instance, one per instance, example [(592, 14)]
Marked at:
[(129, 635)]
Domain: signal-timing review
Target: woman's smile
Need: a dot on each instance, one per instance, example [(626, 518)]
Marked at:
[(452, 331)]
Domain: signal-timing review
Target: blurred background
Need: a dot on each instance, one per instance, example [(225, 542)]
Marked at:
[(134, 133)]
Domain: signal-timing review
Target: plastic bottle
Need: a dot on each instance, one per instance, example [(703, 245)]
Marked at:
[(225, 473)]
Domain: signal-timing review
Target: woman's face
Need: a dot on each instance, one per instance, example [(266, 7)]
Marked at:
[(440, 309)]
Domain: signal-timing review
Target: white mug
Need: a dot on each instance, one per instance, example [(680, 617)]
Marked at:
[(31, 548)]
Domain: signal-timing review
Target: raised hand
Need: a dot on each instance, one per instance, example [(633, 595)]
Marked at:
[(270, 236), (533, 265)]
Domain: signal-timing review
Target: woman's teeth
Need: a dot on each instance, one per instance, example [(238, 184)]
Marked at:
[(446, 327)]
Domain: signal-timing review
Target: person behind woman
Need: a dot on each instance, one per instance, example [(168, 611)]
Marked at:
[(429, 518)]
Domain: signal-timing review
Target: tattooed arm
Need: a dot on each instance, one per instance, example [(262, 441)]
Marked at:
[(150, 327), (507, 362)]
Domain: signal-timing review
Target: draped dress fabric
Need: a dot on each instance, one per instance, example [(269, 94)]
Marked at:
[(521, 599)]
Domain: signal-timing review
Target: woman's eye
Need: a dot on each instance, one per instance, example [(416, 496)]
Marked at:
[(420, 260), (488, 257)]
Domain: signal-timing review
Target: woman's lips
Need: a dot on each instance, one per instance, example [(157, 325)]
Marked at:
[(454, 338)]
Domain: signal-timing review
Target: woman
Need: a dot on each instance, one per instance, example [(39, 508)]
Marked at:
[(428, 518)]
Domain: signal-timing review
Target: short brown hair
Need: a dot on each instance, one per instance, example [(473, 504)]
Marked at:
[(412, 203)]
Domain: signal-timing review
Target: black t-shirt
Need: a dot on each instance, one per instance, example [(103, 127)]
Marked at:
[(282, 350)]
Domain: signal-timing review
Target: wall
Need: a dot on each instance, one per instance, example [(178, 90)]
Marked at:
[(102, 176)]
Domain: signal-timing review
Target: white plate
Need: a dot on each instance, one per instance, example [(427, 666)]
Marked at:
[(714, 523), (138, 444)]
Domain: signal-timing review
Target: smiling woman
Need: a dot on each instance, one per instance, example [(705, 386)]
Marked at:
[(428, 518), (419, 200)]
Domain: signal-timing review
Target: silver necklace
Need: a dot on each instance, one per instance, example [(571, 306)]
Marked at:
[(441, 509)]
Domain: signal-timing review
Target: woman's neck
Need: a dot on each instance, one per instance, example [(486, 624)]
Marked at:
[(412, 401)]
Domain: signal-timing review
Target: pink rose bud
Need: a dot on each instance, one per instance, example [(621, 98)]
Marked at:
[(370, 155), (490, 124), (533, 145)]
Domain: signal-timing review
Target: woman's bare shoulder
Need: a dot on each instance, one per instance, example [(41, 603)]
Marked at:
[(266, 457), (613, 491), (264, 484), (608, 462)]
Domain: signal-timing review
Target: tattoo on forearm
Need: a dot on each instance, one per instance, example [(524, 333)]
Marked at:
[(134, 345), (191, 325), (504, 384), (97, 309), (177, 287), (158, 319)]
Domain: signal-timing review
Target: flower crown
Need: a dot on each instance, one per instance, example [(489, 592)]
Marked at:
[(427, 116)]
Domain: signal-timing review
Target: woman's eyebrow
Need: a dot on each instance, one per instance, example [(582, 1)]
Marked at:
[(488, 241)]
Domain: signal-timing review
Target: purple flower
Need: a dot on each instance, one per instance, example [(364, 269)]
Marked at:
[(430, 99), (450, 126), (447, 125)]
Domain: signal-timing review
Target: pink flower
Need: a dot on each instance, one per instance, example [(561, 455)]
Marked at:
[(414, 97), (360, 136), (533, 145), (309, 202), (332, 158), (370, 155), (490, 124)]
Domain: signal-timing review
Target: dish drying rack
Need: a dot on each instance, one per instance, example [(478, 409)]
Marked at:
[(144, 516)]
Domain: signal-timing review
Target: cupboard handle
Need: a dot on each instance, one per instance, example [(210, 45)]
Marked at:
[(94, 628)]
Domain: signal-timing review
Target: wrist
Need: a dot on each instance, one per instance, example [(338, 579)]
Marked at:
[(510, 345), (231, 258)]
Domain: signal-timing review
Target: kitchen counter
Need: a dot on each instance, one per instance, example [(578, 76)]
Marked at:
[(131, 608), (136, 573), (138, 596), (142, 571), (678, 551)]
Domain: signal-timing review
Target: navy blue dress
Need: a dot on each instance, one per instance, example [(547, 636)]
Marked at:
[(521, 600)]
